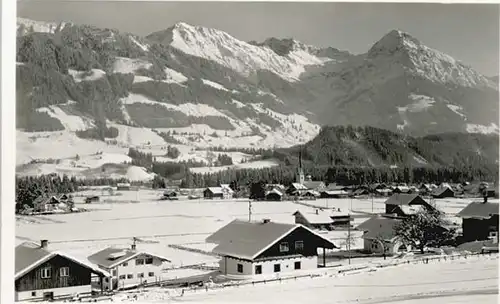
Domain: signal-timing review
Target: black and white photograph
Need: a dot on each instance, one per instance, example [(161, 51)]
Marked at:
[(254, 152)]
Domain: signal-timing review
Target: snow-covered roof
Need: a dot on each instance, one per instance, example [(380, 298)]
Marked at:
[(29, 255), (320, 217), (479, 210), (335, 192), (111, 256), (247, 240), (274, 191), (299, 186)]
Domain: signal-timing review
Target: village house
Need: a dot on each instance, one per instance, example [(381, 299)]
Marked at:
[(128, 267), (91, 198), (334, 191), (265, 247), (314, 185), (379, 236), (123, 186), (405, 204), (296, 189), (480, 221), (311, 194), (53, 204), (319, 220), (42, 274), (274, 195), (222, 192), (442, 192)]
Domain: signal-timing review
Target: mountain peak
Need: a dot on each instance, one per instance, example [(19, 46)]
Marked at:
[(394, 41)]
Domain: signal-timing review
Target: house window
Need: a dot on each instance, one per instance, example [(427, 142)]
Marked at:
[(151, 274), (299, 245), (64, 271), (139, 262), (240, 268), (297, 265), (114, 272), (284, 247), (140, 275), (130, 276), (149, 260), (46, 273), (122, 277), (258, 269), (33, 293), (125, 264), (277, 267)]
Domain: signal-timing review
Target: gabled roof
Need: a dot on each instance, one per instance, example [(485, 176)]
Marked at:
[(334, 187), (298, 186), (441, 190), (479, 210), (379, 226), (313, 184), (247, 240), (405, 199), (335, 192), (315, 218), (111, 257), (276, 191), (29, 255), (215, 190)]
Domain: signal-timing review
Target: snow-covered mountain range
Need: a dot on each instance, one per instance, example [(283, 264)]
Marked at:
[(196, 87)]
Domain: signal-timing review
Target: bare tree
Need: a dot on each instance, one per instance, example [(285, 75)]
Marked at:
[(424, 228)]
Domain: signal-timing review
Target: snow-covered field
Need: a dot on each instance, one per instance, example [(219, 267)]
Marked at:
[(126, 214), (474, 280)]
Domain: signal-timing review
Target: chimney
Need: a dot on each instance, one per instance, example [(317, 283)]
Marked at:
[(44, 243), (264, 221), (133, 247), (317, 211)]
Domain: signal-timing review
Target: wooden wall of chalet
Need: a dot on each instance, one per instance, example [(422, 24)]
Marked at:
[(78, 276), (476, 229), (311, 243)]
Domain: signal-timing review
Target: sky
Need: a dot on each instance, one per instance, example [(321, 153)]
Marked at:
[(468, 32)]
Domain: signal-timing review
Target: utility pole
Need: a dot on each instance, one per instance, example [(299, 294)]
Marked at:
[(349, 237), (249, 210), (372, 203)]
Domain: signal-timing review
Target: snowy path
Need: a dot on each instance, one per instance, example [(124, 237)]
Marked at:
[(466, 281)]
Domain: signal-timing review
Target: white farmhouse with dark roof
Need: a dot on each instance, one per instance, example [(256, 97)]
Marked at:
[(265, 247), (42, 274), (128, 266)]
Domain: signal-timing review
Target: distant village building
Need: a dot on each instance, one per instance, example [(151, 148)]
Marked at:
[(265, 247), (43, 274), (128, 266), (296, 189), (443, 192), (92, 198), (53, 204), (334, 191), (379, 236), (480, 221), (222, 192), (274, 195), (315, 220), (405, 204), (123, 186)]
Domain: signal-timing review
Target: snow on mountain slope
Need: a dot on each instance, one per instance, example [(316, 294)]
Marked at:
[(25, 26), (238, 55), (476, 128), (427, 62), (70, 122), (128, 65), (213, 84), (91, 75), (421, 102)]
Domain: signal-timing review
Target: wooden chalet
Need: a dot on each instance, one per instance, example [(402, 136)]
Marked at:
[(315, 220), (480, 221), (296, 189), (265, 247), (123, 186), (129, 267), (274, 195), (442, 192), (405, 204), (42, 274), (222, 192), (379, 235)]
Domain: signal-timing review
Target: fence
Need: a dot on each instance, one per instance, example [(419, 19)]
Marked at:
[(344, 271)]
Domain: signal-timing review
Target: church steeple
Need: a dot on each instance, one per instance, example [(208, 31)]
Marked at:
[(300, 173)]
